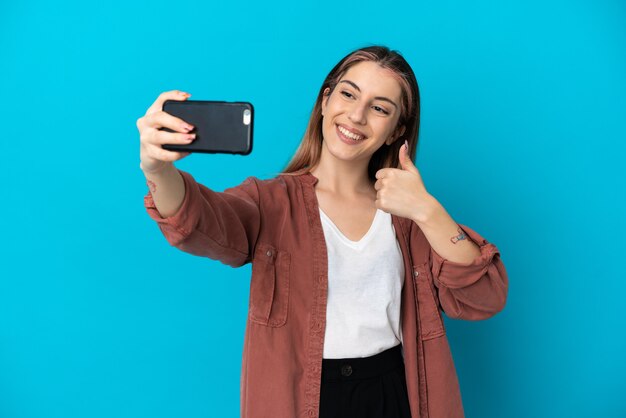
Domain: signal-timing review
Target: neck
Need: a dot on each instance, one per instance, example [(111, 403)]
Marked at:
[(347, 178)]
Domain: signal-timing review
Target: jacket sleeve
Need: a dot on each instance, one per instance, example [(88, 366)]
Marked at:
[(473, 292), (219, 225)]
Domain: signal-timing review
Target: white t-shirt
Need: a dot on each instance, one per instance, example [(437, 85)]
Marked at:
[(365, 281)]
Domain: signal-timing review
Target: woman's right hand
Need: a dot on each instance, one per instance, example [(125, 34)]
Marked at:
[(153, 157)]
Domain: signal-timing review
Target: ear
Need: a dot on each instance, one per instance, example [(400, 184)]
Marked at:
[(399, 132), (325, 99)]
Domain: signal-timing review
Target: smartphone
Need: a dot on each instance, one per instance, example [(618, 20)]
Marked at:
[(220, 127)]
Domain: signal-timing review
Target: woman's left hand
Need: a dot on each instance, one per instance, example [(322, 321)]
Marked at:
[(401, 192)]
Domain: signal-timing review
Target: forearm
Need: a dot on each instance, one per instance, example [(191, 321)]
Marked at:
[(167, 188), (445, 236)]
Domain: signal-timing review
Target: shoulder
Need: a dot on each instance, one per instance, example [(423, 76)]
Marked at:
[(278, 182)]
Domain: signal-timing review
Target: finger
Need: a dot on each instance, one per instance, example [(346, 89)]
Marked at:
[(163, 119), (383, 172), (168, 95), (379, 204), (388, 172), (380, 184), (164, 137), (405, 160)]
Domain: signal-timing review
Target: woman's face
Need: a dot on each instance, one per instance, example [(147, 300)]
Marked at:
[(362, 112)]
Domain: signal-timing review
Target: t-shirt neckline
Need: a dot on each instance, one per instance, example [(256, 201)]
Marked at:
[(364, 239)]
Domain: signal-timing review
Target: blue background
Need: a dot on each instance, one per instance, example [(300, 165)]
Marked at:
[(524, 106)]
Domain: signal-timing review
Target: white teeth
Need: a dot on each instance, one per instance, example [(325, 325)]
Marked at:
[(350, 134)]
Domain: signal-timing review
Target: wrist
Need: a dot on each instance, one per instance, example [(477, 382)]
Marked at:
[(161, 168), (431, 214)]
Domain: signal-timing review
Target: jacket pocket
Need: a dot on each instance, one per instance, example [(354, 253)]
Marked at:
[(269, 286), (431, 322)]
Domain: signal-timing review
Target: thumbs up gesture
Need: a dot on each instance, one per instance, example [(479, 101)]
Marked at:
[(401, 192)]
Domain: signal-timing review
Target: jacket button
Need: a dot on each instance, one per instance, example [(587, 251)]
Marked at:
[(269, 253), (310, 412), (346, 370), (416, 273)]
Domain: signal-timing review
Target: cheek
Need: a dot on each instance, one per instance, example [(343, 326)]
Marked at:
[(327, 123), (330, 112), (392, 125), (384, 128), (335, 105)]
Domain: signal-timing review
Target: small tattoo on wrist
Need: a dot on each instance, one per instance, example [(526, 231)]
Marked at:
[(151, 186), (459, 237)]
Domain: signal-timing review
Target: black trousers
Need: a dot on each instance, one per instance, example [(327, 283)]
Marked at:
[(365, 387)]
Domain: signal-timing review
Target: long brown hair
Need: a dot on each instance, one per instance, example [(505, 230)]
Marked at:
[(309, 152)]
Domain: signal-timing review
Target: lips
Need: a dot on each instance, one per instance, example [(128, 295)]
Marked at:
[(348, 135)]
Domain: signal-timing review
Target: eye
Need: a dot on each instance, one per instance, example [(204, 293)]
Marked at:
[(347, 94), (380, 110)]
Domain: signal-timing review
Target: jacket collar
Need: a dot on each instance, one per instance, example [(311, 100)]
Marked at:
[(308, 178)]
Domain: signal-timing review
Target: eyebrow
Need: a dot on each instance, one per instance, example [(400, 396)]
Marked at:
[(385, 99)]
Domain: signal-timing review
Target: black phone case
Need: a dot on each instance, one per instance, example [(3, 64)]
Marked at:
[(220, 127)]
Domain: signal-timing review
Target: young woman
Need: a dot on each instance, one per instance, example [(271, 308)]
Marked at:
[(353, 260)]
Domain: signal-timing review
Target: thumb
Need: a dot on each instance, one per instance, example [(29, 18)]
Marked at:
[(405, 160)]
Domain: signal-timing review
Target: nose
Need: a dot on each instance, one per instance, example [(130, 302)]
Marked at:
[(357, 114)]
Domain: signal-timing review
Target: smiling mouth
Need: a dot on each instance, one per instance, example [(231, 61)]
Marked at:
[(349, 135)]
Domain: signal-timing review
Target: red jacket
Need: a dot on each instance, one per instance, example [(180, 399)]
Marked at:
[(275, 224)]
